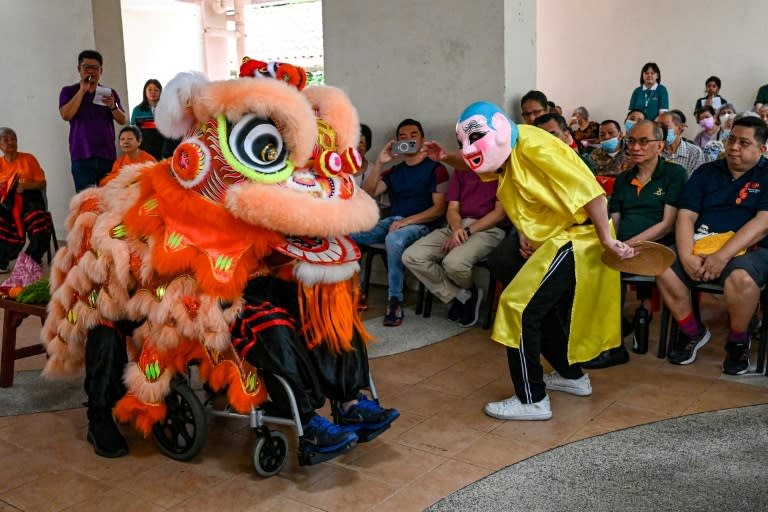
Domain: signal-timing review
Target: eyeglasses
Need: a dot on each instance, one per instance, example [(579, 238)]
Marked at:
[(533, 112), (642, 142), (90, 67)]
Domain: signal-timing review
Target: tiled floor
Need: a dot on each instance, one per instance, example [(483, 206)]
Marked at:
[(441, 442)]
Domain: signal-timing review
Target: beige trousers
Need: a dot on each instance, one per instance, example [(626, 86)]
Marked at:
[(445, 274)]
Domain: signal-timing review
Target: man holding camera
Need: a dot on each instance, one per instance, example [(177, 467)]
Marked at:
[(416, 187), (91, 110)]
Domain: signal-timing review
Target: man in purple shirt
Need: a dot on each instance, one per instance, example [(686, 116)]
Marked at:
[(443, 260), (91, 110)]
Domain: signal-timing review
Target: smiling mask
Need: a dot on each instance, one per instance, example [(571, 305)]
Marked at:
[(486, 137)]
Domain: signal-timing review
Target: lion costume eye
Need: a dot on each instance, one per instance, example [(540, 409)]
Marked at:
[(256, 149)]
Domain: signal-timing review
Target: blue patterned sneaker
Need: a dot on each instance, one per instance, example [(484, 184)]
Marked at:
[(366, 415), (320, 435)]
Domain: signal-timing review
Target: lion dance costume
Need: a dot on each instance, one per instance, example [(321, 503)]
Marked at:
[(232, 253)]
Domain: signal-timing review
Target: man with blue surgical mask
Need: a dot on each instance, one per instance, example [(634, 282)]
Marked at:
[(676, 149), (610, 159)]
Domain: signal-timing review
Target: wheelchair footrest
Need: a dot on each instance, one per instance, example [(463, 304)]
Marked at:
[(364, 436), (309, 457)]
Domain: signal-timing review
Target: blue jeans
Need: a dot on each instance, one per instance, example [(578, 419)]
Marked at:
[(396, 242), (88, 172)]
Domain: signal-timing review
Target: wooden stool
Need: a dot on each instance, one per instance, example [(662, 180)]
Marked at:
[(13, 314)]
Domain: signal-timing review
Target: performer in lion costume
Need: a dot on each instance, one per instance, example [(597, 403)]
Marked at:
[(232, 253)]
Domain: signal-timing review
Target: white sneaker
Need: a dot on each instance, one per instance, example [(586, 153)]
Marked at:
[(514, 409), (578, 387)]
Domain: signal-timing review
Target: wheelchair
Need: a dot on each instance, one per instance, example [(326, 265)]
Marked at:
[(181, 435)]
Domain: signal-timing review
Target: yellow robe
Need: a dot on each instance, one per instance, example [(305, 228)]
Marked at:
[(543, 189)]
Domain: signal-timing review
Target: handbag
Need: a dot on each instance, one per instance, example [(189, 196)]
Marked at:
[(712, 243)]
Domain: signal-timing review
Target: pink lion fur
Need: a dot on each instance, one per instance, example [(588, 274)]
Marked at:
[(290, 211), (272, 99)]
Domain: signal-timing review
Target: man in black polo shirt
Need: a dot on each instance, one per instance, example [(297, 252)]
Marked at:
[(722, 196), (643, 205)]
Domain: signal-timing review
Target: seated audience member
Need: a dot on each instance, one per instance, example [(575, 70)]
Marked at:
[(584, 131), (611, 158), (725, 118), (643, 207), (706, 118), (555, 124), (534, 104), (416, 189), (726, 195), (443, 260), (763, 113), (712, 97), (633, 116), (143, 117), (552, 107), (677, 149), (129, 141), (761, 98), (366, 140), (22, 213)]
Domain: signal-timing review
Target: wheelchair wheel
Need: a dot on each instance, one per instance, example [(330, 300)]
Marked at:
[(181, 434), (269, 455)]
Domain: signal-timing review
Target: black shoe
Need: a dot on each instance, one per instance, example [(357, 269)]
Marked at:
[(394, 314), (686, 354), (454, 313), (106, 439), (608, 358), (471, 309), (736, 358)]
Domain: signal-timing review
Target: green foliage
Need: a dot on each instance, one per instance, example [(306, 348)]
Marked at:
[(35, 293)]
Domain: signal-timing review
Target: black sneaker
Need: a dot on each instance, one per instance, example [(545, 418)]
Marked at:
[(394, 315), (736, 358), (471, 309), (686, 353), (454, 314), (320, 435)]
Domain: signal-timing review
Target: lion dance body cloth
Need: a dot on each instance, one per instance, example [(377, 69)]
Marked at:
[(260, 185)]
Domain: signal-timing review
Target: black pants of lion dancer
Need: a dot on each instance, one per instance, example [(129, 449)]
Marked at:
[(268, 318), (546, 324)]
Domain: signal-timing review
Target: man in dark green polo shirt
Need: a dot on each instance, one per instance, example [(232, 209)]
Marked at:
[(643, 205)]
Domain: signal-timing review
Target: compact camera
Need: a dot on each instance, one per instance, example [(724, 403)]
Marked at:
[(404, 147)]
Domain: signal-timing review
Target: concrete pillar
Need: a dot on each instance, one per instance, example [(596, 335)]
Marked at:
[(428, 59)]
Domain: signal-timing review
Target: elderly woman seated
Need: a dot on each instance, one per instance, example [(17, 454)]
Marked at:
[(22, 213)]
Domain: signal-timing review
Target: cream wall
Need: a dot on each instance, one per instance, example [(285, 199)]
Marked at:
[(161, 39), (590, 52), (427, 59), (40, 41)]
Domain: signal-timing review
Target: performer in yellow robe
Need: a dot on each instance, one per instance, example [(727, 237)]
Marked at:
[(563, 303)]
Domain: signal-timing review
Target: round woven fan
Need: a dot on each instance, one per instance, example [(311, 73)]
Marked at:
[(651, 259)]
